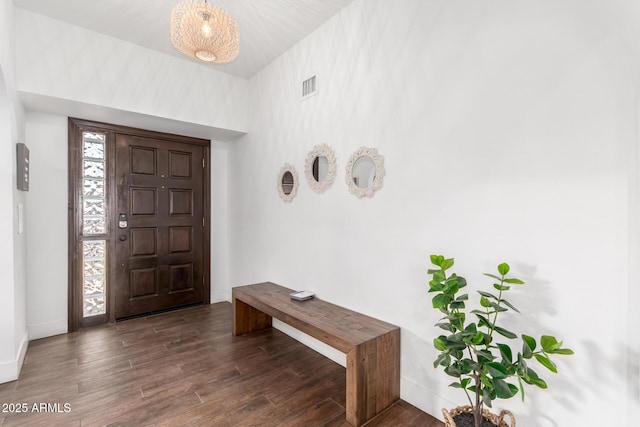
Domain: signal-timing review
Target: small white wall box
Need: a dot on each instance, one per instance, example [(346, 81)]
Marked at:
[(23, 166)]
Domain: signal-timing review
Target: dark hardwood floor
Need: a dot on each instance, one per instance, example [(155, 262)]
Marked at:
[(182, 368)]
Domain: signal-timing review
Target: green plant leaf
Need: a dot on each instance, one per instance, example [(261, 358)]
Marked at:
[(497, 371), (497, 308), (505, 352), (471, 328), (565, 351), (549, 343), (501, 287), (446, 264), (546, 362), (532, 378), (505, 333), (508, 304), (462, 282), (486, 397), (435, 286), (503, 268), (439, 276), (493, 276), (442, 360), (514, 281), (445, 326), (440, 301), (484, 301), (488, 295), (437, 260), (466, 366), (439, 344), (504, 390), (456, 305), (528, 346), (484, 356), (478, 338), (463, 297), (451, 287), (483, 321), (452, 370)]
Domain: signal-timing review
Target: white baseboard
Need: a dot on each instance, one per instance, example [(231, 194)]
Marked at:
[(9, 371), (22, 351), (48, 329), (337, 356), (424, 399), (224, 296)]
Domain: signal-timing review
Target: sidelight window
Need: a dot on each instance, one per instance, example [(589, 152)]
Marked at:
[(94, 223)]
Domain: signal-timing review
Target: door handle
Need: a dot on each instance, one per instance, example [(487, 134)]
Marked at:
[(123, 237)]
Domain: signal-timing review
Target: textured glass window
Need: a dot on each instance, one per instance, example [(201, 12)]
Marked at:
[(94, 223), (93, 277)]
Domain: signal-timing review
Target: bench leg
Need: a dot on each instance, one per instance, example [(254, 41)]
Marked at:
[(248, 319), (373, 377)]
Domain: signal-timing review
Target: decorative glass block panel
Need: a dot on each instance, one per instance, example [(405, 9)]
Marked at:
[(93, 169), (94, 150), (93, 305), (93, 188), (93, 277), (94, 225), (94, 221), (93, 249), (93, 268), (93, 136), (93, 285), (94, 207)]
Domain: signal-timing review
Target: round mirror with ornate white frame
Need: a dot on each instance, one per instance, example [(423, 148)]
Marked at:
[(320, 168), (365, 172), (288, 182)]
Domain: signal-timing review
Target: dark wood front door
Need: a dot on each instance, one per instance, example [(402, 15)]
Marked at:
[(159, 233)]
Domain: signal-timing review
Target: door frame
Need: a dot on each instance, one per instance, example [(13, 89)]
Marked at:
[(76, 127)]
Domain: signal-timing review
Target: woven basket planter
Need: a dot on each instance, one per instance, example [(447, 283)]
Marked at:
[(496, 420)]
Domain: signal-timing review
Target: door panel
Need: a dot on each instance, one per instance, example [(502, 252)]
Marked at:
[(160, 261)]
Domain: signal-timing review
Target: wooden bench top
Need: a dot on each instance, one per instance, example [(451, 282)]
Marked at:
[(337, 326)]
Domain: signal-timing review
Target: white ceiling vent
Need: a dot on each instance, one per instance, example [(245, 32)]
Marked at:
[(309, 87)]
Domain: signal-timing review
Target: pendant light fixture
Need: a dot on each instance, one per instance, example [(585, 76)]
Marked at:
[(204, 32)]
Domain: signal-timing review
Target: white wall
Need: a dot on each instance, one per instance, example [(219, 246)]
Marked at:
[(13, 331), (507, 129), (98, 70), (46, 135), (219, 222)]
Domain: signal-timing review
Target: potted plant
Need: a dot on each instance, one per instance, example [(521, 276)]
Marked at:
[(471, 352)]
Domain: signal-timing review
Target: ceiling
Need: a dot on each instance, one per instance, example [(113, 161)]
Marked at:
[(268, 28)]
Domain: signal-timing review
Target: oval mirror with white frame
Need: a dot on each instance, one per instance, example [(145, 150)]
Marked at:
[(365, 172), (288, 183), (320, 168)]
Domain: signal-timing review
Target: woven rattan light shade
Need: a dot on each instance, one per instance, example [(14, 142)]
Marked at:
[(205, 32)]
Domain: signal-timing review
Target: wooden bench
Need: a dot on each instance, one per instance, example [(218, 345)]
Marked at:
[(372, 346)]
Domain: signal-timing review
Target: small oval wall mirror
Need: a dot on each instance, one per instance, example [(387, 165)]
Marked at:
[(365, 172), (288, 183), (320, 168)]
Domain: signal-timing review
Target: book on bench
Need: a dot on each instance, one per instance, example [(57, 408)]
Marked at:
[(301, 295)]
